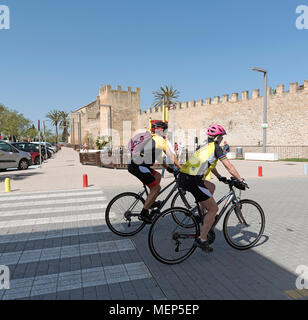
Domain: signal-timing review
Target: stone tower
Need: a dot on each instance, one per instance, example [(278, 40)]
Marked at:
[(107, 115)]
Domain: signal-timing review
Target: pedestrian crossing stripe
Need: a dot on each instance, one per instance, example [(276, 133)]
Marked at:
[(45, 211), (51, 202), (50, 192), (54, 283), (63, 252), (49, 195)]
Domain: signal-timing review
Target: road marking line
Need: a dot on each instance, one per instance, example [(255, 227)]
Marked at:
[(50, 220), (52, 202), (49, 195), (52, 234), (22, 288), (49, 192), (46, 211), (45, 254)]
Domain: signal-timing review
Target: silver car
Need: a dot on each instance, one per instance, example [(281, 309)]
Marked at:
[(10, 157)]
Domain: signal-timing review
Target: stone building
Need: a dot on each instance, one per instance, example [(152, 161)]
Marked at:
[(106, 116), (241, 115)]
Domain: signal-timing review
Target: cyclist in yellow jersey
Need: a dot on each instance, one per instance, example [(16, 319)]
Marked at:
[(140, 166), (192, 178)]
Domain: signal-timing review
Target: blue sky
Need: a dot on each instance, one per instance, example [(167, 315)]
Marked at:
[(57, 53)]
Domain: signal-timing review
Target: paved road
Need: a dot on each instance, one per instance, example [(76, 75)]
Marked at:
[(57, 246)]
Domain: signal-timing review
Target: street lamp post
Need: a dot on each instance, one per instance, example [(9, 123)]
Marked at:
[(264, 125)]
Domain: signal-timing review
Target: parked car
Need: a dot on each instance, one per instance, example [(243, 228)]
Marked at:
[(58, 146), (11, 157), (52, 149), (32, 149)]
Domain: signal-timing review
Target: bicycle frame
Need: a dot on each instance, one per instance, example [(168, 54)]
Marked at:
[(231, 198), (145, 191)]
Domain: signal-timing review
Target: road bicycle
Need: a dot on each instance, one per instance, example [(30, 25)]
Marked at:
[(123, 211), (173, 232)]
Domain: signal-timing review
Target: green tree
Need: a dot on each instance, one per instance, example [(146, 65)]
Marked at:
[(49, 136), (32, 133), (64, 125), (3, 115), (55, 117), (165, 95), (14, 125)]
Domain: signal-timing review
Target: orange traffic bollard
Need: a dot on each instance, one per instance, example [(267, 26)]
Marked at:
[(85, 181), (259, 171)]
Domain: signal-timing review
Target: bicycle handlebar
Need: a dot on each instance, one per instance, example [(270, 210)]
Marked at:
[(233, 182)]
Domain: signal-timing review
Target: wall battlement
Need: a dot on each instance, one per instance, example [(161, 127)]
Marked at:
[(244, 96), (107, 89)]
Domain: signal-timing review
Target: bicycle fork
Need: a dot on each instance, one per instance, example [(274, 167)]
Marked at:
[(239, 214)]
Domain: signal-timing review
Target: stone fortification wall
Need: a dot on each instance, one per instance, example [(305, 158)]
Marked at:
[(242, 116)]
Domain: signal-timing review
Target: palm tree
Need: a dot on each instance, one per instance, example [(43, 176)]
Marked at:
[(55, 117), (165, 96), (64, 124)]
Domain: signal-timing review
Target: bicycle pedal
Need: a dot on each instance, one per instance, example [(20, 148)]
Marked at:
[(156, 204)]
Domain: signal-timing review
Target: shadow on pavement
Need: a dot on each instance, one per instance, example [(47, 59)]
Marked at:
[(18, 175)]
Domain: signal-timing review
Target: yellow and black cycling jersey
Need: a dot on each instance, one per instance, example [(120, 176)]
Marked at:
[(204, 160), (152, 150)]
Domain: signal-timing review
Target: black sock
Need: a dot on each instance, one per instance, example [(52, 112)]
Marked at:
[(144, 212)]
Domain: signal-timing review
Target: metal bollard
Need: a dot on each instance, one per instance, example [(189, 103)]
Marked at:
[(7, 183), (305, 169)]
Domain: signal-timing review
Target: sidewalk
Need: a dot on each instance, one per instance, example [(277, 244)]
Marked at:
[(65, 172)]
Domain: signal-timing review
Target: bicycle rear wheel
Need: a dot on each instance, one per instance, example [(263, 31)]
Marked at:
[(244, 224), (122, 214), (169, 241)]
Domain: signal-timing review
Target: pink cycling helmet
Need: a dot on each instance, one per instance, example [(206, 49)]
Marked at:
[(216, 130)]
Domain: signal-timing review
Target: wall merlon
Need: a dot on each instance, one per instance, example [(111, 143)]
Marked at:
[(255, 93), (225, 98), (216, 100), (306, 85), (200, 102), (191, 103), (280, 89), (245, 95), (234, 97), (208, 101), (119, 88), (129, 89), (293, 87), (149, 110), (185, 105)]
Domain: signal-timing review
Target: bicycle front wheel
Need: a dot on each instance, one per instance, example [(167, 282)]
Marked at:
[(244, 224), (188, 201), (169, 241), (122, 214)]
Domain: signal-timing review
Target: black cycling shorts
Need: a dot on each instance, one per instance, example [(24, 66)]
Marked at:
[(144, 174), (195, 185)]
